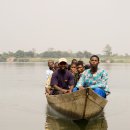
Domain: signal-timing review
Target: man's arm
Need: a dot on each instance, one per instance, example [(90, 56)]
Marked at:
[(71, 82), (71, 88), (81, 82), (60, 89), (54, 83)]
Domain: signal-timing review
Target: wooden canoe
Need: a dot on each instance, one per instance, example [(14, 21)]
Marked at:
[(82, 104), (99, 123)]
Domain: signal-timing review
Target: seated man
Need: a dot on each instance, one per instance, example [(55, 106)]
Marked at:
[(62, 80), (94, 78)]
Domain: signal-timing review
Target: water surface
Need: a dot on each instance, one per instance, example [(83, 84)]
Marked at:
[(23, 104)]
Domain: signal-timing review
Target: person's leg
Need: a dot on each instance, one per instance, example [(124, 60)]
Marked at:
[(75, 89), (100, 92)]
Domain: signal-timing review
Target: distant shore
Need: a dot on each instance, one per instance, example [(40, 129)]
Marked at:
[(32, 56), (86, 60)]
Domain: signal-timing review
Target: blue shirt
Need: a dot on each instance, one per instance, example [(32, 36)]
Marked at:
[(96, 80)]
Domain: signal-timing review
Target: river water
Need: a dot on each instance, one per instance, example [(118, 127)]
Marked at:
[(23, 105)]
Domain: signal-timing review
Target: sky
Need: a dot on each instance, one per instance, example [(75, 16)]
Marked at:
[(75, 25)]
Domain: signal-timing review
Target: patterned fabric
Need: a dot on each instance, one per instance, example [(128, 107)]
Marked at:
[(97, 80)]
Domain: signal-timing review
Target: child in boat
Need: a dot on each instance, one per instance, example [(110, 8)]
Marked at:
[(73, 70), (74, 61), (80, 68)]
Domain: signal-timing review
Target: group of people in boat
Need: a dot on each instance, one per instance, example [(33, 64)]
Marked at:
[(63, 78)]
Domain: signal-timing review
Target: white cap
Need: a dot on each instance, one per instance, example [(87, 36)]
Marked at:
[(62, 60)]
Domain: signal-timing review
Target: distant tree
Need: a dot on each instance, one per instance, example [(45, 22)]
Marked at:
[(107, 50), (2, 59), (126, 55), (115, 54), (51, 49), (29, 54), (19, 54), (4, 56), (56, 54), (34, 51), (10, 53), (65, 54), (87, 54), (80, 54), (46, 54)]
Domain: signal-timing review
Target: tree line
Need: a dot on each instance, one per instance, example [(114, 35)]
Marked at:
[(47, 54), (51, 53)]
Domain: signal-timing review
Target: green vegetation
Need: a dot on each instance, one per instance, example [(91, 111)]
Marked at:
[(32, 56)]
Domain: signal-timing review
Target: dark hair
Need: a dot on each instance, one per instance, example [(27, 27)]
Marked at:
[(74, 60), (56, 62), (50, 61), (80, 62), (94, 56), (73, 64)]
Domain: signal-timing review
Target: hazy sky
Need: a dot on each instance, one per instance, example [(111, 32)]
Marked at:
[(65, 25)]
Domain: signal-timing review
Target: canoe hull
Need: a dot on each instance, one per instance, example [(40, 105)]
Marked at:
[(82, 104)]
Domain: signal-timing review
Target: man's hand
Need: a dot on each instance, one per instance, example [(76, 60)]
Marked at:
[(81, 88), (64, 91), (69, 91), (47, 93)]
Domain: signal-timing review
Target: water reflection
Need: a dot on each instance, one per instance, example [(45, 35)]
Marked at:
[(53, 123)]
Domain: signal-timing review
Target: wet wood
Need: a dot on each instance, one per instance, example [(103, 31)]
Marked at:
[(82, 104)]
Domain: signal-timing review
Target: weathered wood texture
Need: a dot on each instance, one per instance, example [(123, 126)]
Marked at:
[(82, 104)]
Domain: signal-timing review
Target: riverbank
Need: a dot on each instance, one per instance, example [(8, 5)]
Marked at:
[(86, 60)]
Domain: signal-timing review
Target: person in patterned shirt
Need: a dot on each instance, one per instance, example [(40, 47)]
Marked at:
[(95, 78)]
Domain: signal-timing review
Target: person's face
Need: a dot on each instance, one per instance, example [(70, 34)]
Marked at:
[(94, 62), (56, 66), (50, 61), (51, 65), (80, 68), (62, 65), (73, 68)]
